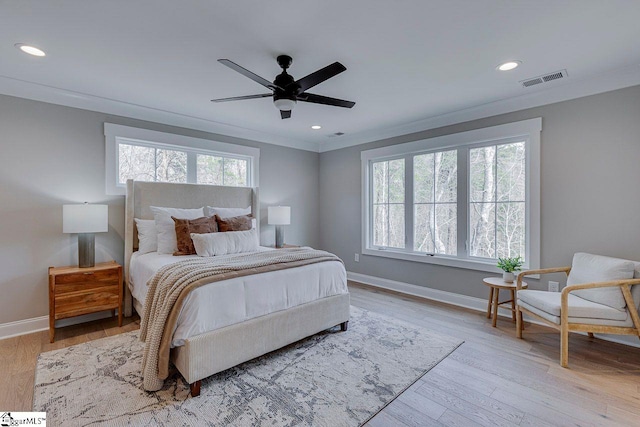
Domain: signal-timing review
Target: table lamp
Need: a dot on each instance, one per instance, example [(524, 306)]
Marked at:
[(85, 220), (279, 216)]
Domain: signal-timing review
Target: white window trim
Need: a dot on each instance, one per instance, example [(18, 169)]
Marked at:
[(152, 138), (526, 129)]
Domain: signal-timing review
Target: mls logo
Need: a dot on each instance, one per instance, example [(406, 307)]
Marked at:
[(23, 419), (5, 419)]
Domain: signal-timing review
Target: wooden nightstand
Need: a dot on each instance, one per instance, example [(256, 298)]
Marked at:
[(75, 291)]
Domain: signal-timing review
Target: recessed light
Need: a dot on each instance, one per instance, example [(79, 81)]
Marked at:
[(509, 65), (31, 50), (316, 127)]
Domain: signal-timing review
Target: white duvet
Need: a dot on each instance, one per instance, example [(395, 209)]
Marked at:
[(235, 300)]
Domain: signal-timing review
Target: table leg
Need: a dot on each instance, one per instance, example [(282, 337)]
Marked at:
[(490, 302), (496, 294), (513, 304)]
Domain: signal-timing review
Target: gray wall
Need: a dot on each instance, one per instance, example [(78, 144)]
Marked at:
[(51, 155), (590, 168)]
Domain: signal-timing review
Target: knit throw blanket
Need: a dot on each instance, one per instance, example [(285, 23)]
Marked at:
[(172, 283)]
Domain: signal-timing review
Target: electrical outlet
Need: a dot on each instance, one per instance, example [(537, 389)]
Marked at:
[(554, 286), (357, 257)]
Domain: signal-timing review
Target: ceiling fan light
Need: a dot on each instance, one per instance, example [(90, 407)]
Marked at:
[(284, 104)]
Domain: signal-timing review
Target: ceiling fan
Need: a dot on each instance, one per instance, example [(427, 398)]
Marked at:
[(286, 91)]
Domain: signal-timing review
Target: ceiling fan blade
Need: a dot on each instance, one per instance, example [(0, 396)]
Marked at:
[(239, 98), (256, 78), (319, 76), (319, 99), (285, 114)]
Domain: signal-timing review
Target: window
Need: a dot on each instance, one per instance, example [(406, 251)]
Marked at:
[(497, 201), (388, 203), (145, 155), (435, 202), (460, 200)]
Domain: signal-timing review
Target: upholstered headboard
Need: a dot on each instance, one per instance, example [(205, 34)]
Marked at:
[(142, 195)]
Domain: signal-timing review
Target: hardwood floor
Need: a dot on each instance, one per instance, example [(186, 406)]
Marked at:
[(493, 379), (18, 356)]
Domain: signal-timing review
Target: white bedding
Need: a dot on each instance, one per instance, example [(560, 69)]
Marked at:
[(235, 300)]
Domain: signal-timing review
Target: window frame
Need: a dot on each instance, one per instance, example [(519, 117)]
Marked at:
[(117, 134), (526, 130)]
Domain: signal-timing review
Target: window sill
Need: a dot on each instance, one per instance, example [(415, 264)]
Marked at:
[(468, 264)]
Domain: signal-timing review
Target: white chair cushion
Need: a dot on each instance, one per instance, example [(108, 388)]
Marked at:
[(582, 320), (588, 268), (549, 302)]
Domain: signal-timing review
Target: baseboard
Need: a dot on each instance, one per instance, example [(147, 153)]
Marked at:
[(37, 324), (459, 300), (473, 303)]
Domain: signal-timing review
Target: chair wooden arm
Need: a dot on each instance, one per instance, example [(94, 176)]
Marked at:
[(624, 286), (522, 274)]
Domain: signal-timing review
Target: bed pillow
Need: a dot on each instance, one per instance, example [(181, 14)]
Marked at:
[(227, 212), (232, 242), (147, 235), (236, 223), (167, 242), (184, 228)]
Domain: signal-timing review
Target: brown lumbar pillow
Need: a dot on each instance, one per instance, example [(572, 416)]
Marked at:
[(184, 228), (235, 223)]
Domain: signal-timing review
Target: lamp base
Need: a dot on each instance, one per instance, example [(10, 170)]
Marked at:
[(279, 236), (86, 250)]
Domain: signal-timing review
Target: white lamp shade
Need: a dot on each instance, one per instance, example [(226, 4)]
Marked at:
[(85, 218), (279, 215)]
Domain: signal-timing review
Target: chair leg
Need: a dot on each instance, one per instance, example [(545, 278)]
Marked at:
[(564, 345), (490, 302), (518, 322), (513, 305)]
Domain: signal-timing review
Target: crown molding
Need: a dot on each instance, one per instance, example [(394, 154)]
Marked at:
[(54, 95), (556, 92)]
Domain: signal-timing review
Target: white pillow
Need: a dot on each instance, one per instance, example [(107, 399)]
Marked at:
[(587, 268), (147, 235), (231, 242), (227, 212), (167, 242)]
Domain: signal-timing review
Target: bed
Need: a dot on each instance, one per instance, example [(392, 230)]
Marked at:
[(232, 321)]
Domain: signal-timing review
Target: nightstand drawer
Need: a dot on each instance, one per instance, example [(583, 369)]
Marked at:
[(86, 286), (80, 303), (89, 276)]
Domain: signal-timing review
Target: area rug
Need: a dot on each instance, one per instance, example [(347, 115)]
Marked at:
[(330, 379)]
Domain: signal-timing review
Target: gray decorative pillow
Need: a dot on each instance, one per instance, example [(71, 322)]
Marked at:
[(588, 268)]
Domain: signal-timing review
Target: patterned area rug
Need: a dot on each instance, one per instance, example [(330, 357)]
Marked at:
[(331, 379)]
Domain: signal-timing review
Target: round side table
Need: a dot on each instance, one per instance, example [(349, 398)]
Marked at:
[(495, 284)]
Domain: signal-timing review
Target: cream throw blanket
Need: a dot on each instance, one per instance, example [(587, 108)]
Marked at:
[(172, 283)]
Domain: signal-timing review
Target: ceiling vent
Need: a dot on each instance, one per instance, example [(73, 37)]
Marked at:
[(544, 79), (333, 135)]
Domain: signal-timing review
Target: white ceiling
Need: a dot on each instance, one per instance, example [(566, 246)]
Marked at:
[(409, 62)]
